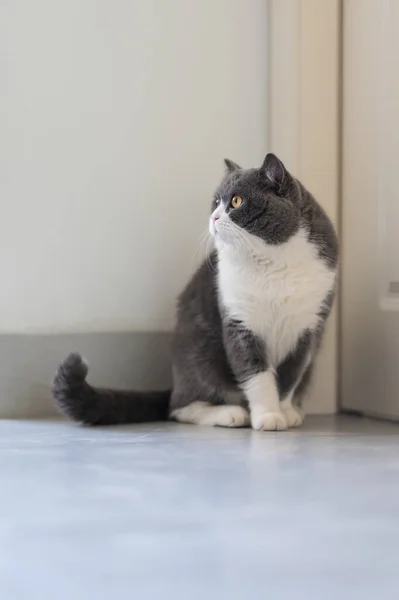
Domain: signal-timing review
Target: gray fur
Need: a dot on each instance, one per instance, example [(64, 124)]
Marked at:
[(278, 204), (246, 353), (293, 366), (212, 355)]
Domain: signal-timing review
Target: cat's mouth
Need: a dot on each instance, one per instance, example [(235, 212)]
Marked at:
[(222, 233), (219, 230), (213, 227)]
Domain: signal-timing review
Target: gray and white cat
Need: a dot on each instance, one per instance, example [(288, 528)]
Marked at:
[(250, 321)]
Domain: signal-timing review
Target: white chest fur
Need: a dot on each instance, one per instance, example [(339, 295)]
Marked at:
[(276, 294)]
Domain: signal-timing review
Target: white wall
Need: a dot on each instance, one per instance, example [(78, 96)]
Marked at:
[(114, 122)]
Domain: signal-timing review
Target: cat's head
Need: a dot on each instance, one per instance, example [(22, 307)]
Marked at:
[(255, 204)]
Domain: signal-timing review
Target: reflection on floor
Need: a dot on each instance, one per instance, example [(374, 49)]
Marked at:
[(182, 512)]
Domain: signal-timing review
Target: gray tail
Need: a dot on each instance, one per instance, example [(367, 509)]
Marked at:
[(92, 406)]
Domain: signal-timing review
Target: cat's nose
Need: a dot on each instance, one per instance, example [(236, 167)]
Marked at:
[(216, 218)]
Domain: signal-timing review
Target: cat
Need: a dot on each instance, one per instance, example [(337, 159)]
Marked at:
[(249, 323)]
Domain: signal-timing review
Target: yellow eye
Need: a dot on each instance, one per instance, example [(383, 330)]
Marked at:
[(236, 201)]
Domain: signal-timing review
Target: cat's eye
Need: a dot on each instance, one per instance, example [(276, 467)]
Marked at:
[(236, 201)]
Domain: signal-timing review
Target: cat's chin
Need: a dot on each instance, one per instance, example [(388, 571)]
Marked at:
[(221, 243), (221, 237), (217, 240), (227, 244)]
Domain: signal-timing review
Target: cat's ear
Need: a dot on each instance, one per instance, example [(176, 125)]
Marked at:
[(274, 170), (231, 166)]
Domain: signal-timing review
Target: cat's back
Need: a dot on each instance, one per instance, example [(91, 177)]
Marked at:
[(320, 229)]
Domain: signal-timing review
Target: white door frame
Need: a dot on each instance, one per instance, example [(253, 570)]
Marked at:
[(305, 48)]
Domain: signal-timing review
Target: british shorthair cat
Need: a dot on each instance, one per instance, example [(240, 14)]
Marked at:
[(250, 321)]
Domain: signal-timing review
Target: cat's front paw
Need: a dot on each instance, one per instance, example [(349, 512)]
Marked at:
[(292, 416), (269, 421)]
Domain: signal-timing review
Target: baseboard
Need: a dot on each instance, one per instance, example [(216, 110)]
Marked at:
[(366, 414), (124, 360)]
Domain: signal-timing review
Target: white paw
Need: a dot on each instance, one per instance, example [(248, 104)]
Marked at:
[(203, 413), (292, 416), (230, 416), (269, 421)]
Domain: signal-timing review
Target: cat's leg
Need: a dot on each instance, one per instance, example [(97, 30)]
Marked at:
[(290, 375), (248, 360), (293, 415), (303, 385), (264, 402), (205, 413), (196, 400), (298, 396)]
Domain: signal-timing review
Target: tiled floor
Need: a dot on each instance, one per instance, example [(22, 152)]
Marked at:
[(182, 512)]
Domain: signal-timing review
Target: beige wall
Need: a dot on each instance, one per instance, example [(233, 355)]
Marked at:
[(370, 208), (304, 128), (115, 119)]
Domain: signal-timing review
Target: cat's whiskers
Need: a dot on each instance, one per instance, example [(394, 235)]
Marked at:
[(202, 242), (208, 250), (228, 228), (244, 238), (246, 249), (240, 241)]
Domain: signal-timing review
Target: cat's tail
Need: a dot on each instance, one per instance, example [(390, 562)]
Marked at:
[(92, 406)]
